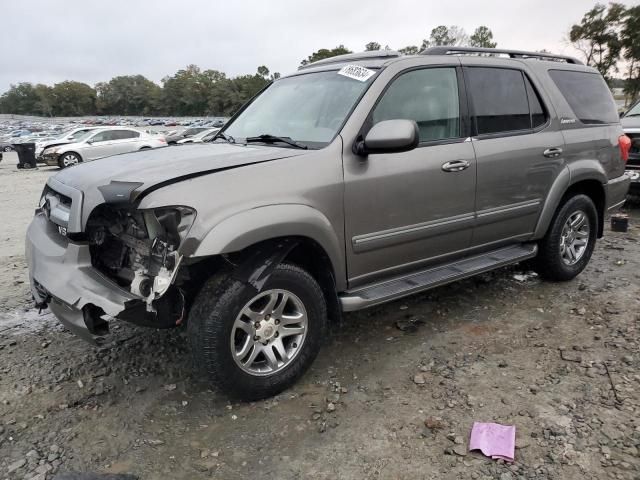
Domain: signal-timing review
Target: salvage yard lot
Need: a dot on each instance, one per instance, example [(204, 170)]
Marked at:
[(392, 395)]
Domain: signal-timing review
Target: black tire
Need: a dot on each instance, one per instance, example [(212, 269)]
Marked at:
[(62, 159), (210, 327), (8, 149), (549, 262)]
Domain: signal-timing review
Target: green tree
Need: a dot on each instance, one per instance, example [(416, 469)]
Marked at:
[(71, 98), (128, 95), (409, 50), (325, 53), (445, 36), (20, 99), (371, 46), (597, 37), (482, 37), (630, 39)]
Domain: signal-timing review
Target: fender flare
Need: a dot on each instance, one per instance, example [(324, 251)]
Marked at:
[(573, 173), (273, 222)]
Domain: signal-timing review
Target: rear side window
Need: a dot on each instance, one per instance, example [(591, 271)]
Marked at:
[(503, 100), (125, 134), (587, 95), (538, 117)]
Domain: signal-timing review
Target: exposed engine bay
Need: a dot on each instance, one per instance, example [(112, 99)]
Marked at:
[(138, 249)]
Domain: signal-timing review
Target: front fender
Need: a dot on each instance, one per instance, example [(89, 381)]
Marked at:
[(250, 227)]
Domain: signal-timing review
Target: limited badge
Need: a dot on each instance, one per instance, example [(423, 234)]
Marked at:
[(356, 72)]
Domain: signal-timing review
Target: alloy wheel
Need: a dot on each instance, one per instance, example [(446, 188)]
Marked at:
[(269, 332), (574, 238)]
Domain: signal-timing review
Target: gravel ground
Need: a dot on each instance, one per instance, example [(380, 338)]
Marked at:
[(392, 395)]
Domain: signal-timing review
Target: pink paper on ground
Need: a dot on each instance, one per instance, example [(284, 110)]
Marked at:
[(494, 440)]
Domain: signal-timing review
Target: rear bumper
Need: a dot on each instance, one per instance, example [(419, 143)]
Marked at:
[(616, 191), (61, 273)]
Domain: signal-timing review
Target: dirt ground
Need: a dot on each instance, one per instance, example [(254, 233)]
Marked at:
[(393, 394)]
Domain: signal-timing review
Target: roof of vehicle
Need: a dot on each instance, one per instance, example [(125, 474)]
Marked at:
[(383, 58)]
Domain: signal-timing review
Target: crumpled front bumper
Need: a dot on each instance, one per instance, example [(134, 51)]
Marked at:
[(61, 272)]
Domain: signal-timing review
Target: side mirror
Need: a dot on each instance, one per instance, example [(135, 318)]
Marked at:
[(390, 136)]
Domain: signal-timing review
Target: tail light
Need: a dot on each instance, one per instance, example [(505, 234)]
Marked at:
[(624, 143)]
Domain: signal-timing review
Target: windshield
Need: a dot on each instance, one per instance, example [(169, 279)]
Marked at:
[(308, 109)]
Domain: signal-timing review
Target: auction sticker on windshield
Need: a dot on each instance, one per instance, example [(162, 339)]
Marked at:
[(357, 73)]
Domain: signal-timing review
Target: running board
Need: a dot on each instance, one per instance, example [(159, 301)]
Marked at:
[(378, 293)]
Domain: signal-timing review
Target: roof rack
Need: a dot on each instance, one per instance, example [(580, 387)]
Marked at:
[(352, 57), (499, 51)]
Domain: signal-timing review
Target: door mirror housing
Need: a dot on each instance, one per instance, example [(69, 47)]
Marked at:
[(390, 136)]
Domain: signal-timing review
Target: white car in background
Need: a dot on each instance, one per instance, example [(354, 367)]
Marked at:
[(203, 136), (68, 136), (101, 143)]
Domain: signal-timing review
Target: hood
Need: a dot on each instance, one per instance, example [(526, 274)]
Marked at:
[(124, 178), (630, 122)]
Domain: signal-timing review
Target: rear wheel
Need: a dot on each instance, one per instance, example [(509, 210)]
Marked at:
[(251, 344), (8, 148), (566, 249), (68, 159)]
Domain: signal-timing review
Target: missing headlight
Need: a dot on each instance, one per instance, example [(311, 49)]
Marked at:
[(139, 249)]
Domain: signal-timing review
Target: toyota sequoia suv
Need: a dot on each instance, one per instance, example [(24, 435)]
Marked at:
[(352, 182)]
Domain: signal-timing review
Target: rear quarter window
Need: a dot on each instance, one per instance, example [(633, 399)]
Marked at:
[(588, 96)]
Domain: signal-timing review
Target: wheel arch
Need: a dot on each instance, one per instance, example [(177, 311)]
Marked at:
[(567, 185), (249, 228), (68, 152)]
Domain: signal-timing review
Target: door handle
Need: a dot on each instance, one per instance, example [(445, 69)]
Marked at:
[(455, 166), (553, 152)]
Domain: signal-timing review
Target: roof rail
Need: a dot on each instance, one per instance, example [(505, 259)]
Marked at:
[(352, 57), (451, 50)]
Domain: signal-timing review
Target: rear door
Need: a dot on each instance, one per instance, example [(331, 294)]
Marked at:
[(518, 152), (125, 141)]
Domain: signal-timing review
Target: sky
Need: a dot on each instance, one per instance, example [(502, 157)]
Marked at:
[(48, 41)]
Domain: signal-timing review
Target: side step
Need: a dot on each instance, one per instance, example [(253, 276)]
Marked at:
[(378, 293)]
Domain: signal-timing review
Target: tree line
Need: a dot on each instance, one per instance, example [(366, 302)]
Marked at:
[(189, 92), (605, 35)]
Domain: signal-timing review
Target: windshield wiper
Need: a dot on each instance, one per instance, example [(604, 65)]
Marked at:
[(224, 136), (632, 115), (268, 138)]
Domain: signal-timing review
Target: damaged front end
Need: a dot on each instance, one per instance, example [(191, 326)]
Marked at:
[(124, 263), (139, 250)]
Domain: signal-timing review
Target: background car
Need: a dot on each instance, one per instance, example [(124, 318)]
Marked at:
[(101, 143), (203, 136), (69, 136), (189, 132)]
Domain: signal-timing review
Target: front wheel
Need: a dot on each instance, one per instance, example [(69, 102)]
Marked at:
[(68, 160), (566, 249), (253, 345)]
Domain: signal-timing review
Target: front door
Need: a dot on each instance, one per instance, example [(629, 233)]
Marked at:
[(518, 153), (98, 146), (406, 210)]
